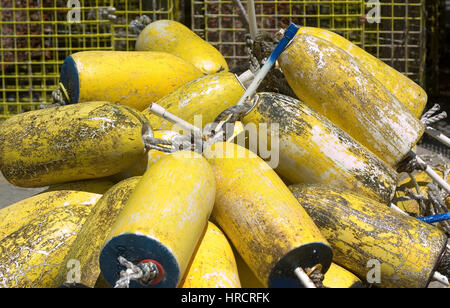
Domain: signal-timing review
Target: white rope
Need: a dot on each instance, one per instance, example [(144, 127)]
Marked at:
[(143, 273)]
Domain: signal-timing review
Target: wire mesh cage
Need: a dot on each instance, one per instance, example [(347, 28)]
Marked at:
[(37, 35), (398, 38)]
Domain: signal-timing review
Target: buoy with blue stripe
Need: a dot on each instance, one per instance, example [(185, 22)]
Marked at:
[(159, 228)]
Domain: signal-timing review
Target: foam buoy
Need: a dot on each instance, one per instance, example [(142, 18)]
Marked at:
[(334, 83), (205, 97), (314, 150), (97, 186), (17, 215), (173, 37), (404, 89), (260, 216), (213, 265), (364, 233), (70, 143), (339, 278), (131, 78), (86, 248), (162, 222), (32, 255)]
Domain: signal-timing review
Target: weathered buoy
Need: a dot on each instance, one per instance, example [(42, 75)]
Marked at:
[(314, 150), (331, 81), (32, 255), (175, 38), (70, 143), (213, 265), (206, 97), (131, 78), (20, 214), (97, 186), (404, 89), (162, 222), (86, 248), (260, 216), (364, 233), (339, 278)]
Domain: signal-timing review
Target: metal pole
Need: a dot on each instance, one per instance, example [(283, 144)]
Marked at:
[(252, 18)]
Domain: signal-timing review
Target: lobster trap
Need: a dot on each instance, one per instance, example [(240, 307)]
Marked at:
[(397, 37), (37, 35)]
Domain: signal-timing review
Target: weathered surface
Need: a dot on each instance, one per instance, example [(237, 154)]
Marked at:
[(133, 78), (261, 217), (331, 81), (360, 230), (314, 150), (213, 265), (177, 39), (32, 255), (70, 143), (404, 89), (86, 248)]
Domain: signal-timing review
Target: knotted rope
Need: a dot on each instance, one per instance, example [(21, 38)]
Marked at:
[(430, 117), (143, 273), (137, 25)]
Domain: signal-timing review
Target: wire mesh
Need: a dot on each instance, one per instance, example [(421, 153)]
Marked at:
[(36, 36), (398, 39)]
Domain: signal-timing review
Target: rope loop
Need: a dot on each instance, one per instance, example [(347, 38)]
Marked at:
[(144, 273), (430, 117)]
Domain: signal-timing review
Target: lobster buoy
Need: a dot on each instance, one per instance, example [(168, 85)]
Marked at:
[(339, 278), (213, 265), (162, 222), (260, 216), (314, 150), (334, 83), (70, 143), (132, 78), (20, 214), (32, 255), (404, 89), (207, 96), (86, 247), (175, 38), (364, 232)]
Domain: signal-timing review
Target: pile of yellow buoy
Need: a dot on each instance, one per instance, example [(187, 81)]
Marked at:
[(119, 213)]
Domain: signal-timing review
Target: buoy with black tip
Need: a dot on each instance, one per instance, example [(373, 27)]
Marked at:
[(361, 230), (263, 220), (89, 242), (132, 78), (159, 228)]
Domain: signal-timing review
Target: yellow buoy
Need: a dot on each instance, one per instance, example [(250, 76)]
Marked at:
[(132, 78), (32, 255), (213, 265), (206, 97), (175, 38), (246, 276), (163, 220), (260, 216), (373, 241), (313, 150), (70, 143), (86, 248), (19, 214), (332, 82), (407, 91)]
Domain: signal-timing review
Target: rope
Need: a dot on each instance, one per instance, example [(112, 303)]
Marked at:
[(411, 164), (143, 273), (317, 277), (137, 25), (429, 118), (444, 265)]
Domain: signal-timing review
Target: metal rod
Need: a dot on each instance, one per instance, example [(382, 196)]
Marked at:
[(252, 18), (438, 135), (304, 278), (432, 174), (441, 278)]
